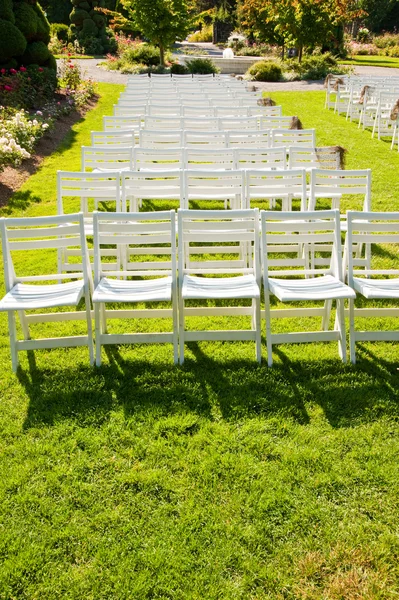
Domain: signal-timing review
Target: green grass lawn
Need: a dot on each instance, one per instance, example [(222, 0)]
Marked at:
[(371, 61), (220, 479)]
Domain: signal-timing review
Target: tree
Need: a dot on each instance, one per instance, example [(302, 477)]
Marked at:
[(162, 21), (303, 23)]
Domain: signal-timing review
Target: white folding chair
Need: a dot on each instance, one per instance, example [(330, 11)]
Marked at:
[(140, 281), (233, 269), (260, 158), (204, 139), (293, 137), (113, 123), (212, 159), (116, 137), (302, 157), (134, 112), (165, 110), (212, 185), (271, 185), (37, 236), (293, 280), (240, 124), (165, 138), (151, 185), (157, 159), (98, 159), (372, 283), (247, 138)]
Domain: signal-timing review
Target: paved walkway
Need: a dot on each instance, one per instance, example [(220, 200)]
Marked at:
[(90, 69)]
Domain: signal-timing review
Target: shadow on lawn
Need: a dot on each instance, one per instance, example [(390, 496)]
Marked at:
[(348, 395)]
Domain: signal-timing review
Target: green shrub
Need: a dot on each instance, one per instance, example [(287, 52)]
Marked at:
[(36, 53), (60, 31), (90, 44), (43, 26), (77, 16), (314, 67), (265, 71), (6, 11), (201, 66), (89, 28), (177, 69), (12, 41), (205, 35), (26, 20), (142, 53)]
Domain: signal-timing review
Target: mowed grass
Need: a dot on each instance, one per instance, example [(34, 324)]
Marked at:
[(220, 479), (372, 61)]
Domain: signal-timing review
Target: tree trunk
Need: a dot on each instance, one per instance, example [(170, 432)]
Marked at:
[(162, 55), (300, 49), (283, 52)]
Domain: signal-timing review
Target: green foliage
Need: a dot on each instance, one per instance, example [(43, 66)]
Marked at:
[(146, 54), (88, 27), (36, 53), (12, 41), (201, 66), (28, 88), (265, 71), (177, 69), (6, 11), (313, 67), (57, 11), (203, 35), (60, 31), (78, 15), (161, 21), (43, 26), (26, 20)]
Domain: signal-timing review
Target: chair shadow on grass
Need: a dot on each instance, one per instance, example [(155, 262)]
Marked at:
[(347, 394)]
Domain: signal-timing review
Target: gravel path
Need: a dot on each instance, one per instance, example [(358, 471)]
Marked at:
[(90, 69)]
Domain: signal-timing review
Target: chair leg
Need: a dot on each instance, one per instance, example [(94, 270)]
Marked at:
[(340, 325), (269, 344), (181, 330), (98, 331), (175, 329), (326, 316), (89, 327), (24, 324), (352, 343), (13, 341), (257, 327)]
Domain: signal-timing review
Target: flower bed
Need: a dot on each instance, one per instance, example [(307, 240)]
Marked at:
[(30, 104)]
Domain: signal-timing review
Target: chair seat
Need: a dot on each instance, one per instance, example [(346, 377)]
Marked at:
[(29, 297), (147, 290), (242, 286), (326, 287), (377, 288)]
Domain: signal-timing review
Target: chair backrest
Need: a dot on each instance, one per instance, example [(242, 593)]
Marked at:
[(264, 111), (248, 138), (302, 157), (113, 123), (113, 137), (161, 138), (210, 139), (203, 111), (162, 110), (159, 159), (270, 184), (260, 158), (237, 123), (329, 186), (231, 111), (136, 234), (214, 185), (209, 158), (107, 158), (139, 104), (89, 189), (366, 228), (147, 185), (200, 234), (135, 112), (39, 235), (293, 137), (283, 231), (172, 123)]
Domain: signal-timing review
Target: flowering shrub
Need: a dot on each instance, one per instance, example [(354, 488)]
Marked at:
[(356, 48), (27, 87), (18, 134)]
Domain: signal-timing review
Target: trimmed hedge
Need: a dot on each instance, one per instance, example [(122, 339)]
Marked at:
[(265, 71), (12, 41)]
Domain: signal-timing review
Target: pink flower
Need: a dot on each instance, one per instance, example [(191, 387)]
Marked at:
[(8, 88), (22, 69), (59, 103), (3, 71), (13, 71), (40, 70)]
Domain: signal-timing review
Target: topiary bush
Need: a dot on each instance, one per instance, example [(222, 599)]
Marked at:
[(24, 34), (264, 71), (60, 31), (177, 69), (88, 27), (201, 66)]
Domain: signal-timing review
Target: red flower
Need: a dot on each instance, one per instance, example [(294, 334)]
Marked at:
[(13, 71), (69, 54), (40, 70), (71, 66), (3, 71), (22, 69), (8, 88)]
